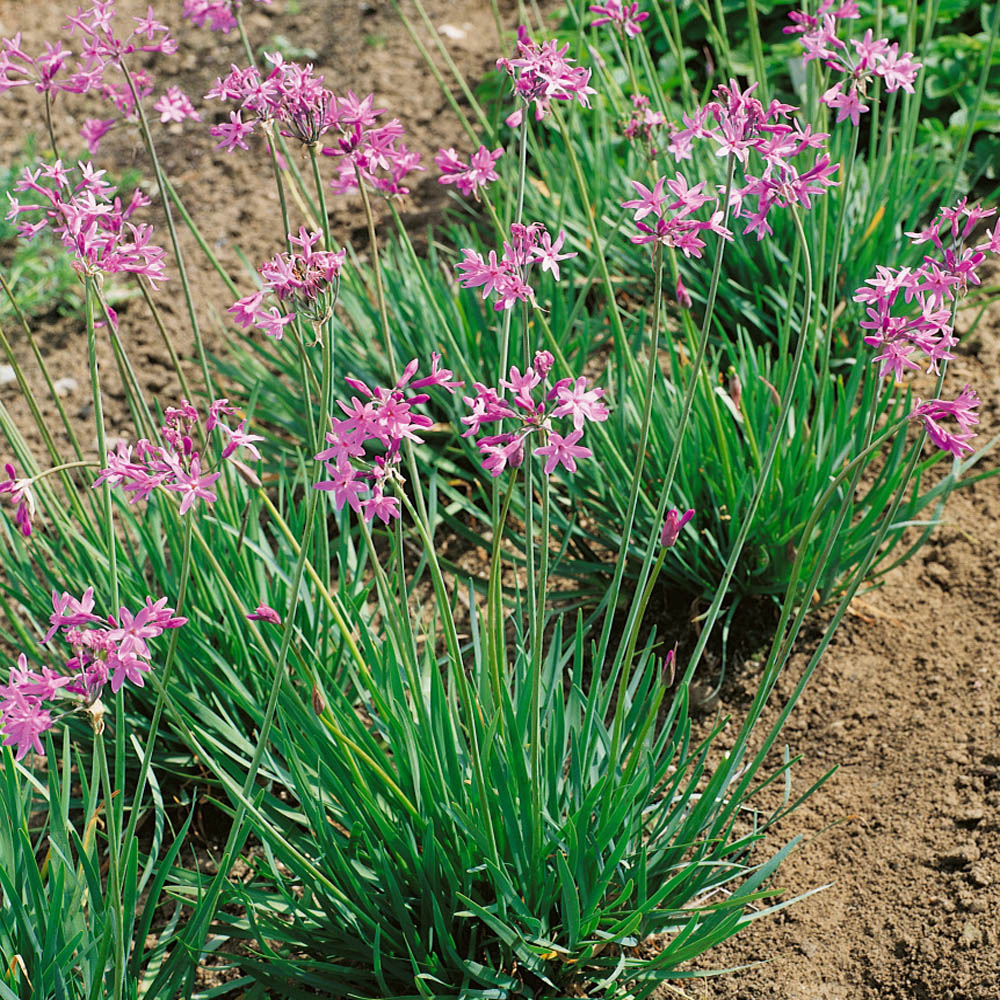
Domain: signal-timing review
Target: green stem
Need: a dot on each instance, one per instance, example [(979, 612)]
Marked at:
[(973, 113), (845, 190), (779, 432), (757, 51), (23, 385), (102, 447), (147, 136), (120, 945)]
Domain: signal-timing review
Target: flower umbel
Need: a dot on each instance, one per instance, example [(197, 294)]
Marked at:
[(383, 419), (113, 649), (533, 405)]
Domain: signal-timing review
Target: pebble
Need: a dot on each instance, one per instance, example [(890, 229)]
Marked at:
[(65, 386), (961, 856), (7, 375), (971, 935), (979, 876)]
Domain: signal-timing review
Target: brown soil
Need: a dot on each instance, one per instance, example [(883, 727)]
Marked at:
[(905, 701), (907, 832)]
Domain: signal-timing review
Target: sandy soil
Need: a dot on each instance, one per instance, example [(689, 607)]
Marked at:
[(905, 702)]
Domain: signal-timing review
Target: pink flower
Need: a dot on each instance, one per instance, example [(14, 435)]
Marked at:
[(529, 409), (672, 526), (479, 172), (626, 15), (176, 464), (272, 322), (114, 649), (960, 410), (94, 130), (77, 204), (175, 106), (193, 485), (388, 417), (265, 614), (683, 295), (562, 450), (19, 491), (217, 14), (234, 134), (507, 278), (543, 74)]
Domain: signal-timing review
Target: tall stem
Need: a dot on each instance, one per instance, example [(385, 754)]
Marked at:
[(675, 453), (147, 136), (779, 431), (102, 447), (117, 907)]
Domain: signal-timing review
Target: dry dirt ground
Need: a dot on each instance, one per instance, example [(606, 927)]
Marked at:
[(907, 832)]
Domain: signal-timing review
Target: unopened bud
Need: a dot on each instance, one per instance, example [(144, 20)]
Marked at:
[(683, 295), (672, 526)]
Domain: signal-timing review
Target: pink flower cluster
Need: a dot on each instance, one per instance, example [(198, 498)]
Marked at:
[(175, 106), (479, 172), (387, 418), (507, 278), (176, 465), (679, 230), (910, 310), (543, 74), (89, 221), (19, 493), (738, 124), (568, 397), (103, 46), (295, 98), (220, 15), (872, 58), (115, 649), (305, 283), (625, 15)]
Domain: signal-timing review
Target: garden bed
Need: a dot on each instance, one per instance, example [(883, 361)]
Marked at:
[(905, 702)]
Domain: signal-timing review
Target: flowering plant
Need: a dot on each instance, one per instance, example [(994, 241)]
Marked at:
[(463, 776)]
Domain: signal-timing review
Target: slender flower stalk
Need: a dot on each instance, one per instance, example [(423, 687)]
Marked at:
[(102, 447)]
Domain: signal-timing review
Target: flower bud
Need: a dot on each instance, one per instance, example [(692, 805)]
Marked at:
[(672, 526), (683, 295)]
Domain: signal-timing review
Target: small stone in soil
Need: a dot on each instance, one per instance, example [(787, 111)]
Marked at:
[(65, 386), (959, 857), (7, 375), (971, 935)]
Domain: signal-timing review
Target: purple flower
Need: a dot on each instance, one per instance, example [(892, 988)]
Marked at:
[(217, 14), (100, 650), (176, 465), (175, 106), (960, 410), (19, 491), (479, 172), (625, 15), (507, 278), (388, 417), (543, 74), (265, 614), (91, 223), (528, 407), (672, 526), (872, 58), (563, 450)]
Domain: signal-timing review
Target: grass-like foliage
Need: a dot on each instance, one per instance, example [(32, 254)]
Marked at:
[(387, 617)]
